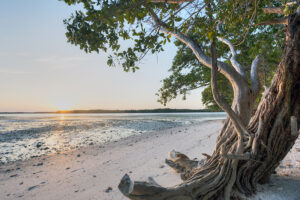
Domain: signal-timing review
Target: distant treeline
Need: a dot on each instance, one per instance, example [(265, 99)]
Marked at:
[(162, 110)]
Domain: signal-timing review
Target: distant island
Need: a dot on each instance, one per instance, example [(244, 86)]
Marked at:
[(159, 110)]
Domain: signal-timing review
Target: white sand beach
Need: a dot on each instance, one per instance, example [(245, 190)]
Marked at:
[(94, 172)]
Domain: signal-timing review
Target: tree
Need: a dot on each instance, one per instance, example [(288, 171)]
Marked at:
[(253, 139)]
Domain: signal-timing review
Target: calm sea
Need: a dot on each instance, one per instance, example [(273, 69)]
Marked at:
[(23, 136)]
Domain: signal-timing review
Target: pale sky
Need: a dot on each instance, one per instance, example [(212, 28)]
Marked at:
[(40, 71)]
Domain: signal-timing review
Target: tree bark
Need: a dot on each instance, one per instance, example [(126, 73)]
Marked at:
[(270, 134)]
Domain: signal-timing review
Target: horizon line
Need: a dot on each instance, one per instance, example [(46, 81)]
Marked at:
[(111, 111)]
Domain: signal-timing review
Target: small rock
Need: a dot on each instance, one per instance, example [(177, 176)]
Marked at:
[(78, 155), (91, 143), (162, 166), (109, 189), (130, 172), (21, 183), (14, 175), (67, 168), (76, 191), (94, 176)]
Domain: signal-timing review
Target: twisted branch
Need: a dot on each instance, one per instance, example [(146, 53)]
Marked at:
[(230, 73), (255, 82), (236, 121), (233, 58)]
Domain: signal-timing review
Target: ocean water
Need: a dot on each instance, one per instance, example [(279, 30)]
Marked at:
[(23, 136)]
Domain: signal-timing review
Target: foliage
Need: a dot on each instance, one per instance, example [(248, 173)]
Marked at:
[(103, 25)]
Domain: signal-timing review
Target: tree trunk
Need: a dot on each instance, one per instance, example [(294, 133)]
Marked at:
[(272, 131)]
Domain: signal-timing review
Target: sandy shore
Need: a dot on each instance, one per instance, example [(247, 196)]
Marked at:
[(95, 171)]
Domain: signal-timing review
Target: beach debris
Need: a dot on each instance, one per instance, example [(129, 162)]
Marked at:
[(39, 164), (33, 187), (162, 166), (76, 170), (107, 190), (289, 165), (39, 144)]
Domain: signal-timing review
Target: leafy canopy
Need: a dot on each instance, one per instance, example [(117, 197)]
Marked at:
[(102, 25)]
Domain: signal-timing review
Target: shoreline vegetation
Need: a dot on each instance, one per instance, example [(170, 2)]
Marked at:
[(94, 172), (158, 110)]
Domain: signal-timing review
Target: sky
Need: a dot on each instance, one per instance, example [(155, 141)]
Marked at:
[(40, 71)]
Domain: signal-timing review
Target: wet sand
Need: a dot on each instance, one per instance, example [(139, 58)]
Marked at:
[(94, 172)]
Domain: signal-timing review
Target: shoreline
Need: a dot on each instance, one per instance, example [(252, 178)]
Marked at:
[(137, 136), (94, 172)]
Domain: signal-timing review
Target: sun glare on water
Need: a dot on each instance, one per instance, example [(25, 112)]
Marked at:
[(62, 117)]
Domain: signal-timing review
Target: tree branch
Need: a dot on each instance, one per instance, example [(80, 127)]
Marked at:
[(278, 10), (237, 123), (171, 1), (275, 21), (238, 67), (255, 82), (230, 73)]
